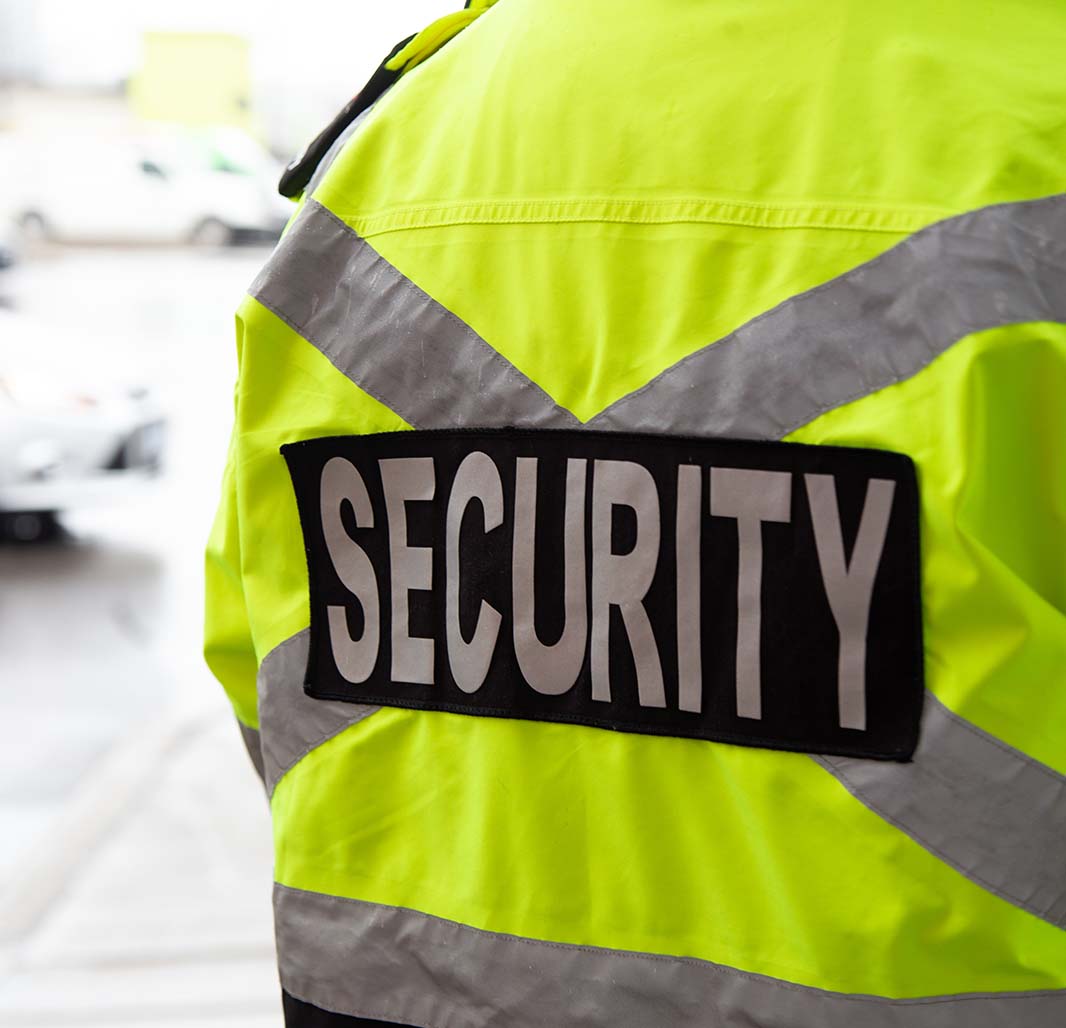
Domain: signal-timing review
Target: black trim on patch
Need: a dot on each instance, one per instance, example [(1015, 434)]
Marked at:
[(763, 594), (299, 1014)]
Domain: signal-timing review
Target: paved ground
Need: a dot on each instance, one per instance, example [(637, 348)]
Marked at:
[(134, 842)]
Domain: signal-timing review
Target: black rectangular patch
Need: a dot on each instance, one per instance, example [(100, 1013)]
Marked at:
[(765, 594)]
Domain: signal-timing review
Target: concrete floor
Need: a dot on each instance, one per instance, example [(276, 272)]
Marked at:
[(134, 838)]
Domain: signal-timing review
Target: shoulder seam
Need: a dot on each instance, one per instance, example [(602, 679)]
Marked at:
[(894, 219)]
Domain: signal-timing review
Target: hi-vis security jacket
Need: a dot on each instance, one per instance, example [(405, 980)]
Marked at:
[(640, 570)]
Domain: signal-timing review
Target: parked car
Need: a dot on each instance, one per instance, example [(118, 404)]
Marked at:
[(8, 245), (63, 448), (161, 187)]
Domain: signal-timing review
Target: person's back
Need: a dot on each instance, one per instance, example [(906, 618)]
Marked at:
[(637, 747)]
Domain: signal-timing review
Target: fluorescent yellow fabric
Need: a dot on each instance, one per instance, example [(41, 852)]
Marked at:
[(427, 42), (288, 391), (683, 167), (755, 859), (599, 189), (699, 116), (986, 425), (751, 858)]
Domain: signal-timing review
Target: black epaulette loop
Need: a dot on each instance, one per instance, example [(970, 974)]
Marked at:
[(298, 172)]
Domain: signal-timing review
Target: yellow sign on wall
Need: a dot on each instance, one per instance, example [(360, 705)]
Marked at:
[(193, 78)]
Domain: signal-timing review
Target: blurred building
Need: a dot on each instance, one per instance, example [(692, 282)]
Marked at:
[(220, 62), (218, 94)]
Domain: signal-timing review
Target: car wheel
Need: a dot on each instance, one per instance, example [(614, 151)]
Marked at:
[(34, 228), (28, 526), (211, 232)]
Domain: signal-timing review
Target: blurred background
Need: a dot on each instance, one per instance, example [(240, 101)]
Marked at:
[(140, 145)]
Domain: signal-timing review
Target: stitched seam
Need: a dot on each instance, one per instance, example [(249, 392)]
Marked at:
[(874, 218), (697, 962), (1043, 912), (919, 222), (369, 229), (661, 202)]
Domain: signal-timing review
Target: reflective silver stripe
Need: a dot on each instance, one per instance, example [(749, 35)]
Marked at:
[(410, 353), (389, 337), (981, 806), (874, 326), (252, 745), (991, 812), (291, 724), (394, 964)]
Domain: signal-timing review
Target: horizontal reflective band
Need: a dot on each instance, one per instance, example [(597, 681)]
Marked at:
[(450, 571), (389, 337), (252, 745), (291, 723), (876, 325), (395, 964), (996, 815)]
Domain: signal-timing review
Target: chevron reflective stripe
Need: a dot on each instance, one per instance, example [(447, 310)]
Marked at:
[(389, 337), (363, 959), (291, 722), (876, 325), (411, 354), (990, 812), (995, 814)]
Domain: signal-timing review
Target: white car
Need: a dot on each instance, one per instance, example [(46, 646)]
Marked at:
[(62, 448), (8, 247), (158, 187)]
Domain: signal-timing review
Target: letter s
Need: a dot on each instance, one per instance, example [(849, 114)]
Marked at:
[(355, 658)]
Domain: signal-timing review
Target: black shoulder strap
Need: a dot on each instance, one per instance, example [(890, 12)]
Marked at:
[(299, 170)]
